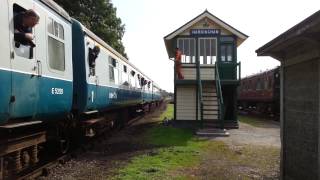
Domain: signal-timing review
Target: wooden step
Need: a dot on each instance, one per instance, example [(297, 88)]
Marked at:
[(210, 112), (210, 108), (210, 103), (209, 91), (217, 124), (209, 99), (212, 132), (210, 94), (208, 117)]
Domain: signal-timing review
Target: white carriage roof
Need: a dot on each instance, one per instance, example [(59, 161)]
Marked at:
[(58, 9), (206, 14), (113, 51)]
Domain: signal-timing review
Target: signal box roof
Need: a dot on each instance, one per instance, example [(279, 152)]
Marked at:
[(306, 31), (205, 20)]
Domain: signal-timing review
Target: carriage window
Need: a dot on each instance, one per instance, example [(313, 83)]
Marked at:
[(125, 77), (22, 47), (56, 48), (113, 71), (259, 84)]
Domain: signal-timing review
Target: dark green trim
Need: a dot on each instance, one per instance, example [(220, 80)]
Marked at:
[(185, 82), (235, 49), (230, 82), (197, 62), (201, 67), (218, 49), (188, 63), (235, 109), (188, 66), (175, 93)]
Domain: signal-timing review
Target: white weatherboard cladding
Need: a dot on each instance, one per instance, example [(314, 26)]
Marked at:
[(207, 72), (4, 36), (186, 103)]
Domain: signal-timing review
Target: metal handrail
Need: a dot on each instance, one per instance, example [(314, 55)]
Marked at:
[(220, 96), (201, 102)]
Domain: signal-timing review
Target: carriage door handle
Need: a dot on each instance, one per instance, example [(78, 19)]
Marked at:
[(97, 80), (39, 65)]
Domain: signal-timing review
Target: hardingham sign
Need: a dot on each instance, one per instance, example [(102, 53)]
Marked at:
[(205, 31)]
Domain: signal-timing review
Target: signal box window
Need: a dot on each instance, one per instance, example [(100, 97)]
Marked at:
[(208, 54), (188, 49), (56, 49), (226, 51)]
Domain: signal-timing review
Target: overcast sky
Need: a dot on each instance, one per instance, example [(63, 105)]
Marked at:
[(148, 21)]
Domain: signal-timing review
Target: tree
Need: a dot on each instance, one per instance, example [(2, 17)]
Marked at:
[(100, 17)]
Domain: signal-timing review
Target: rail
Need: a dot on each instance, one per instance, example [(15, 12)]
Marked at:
[(220, 96)]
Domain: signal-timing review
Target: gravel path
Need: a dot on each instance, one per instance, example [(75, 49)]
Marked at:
[(267, 135)]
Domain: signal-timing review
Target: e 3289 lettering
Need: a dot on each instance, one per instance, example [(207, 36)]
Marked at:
[(56, 91)]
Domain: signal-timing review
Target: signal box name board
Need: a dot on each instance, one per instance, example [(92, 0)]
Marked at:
[(205, 31)]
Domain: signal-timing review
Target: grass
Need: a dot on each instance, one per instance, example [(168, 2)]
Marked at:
[(179, 155), (168, 113), (176, 148)]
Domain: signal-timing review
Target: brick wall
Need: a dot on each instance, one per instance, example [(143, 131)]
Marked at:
[(300, 127)]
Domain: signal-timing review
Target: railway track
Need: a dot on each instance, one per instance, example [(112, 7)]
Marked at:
[(43, 169)]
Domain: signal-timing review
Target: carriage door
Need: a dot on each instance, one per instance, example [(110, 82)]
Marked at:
[(92, 77), (24, 69)]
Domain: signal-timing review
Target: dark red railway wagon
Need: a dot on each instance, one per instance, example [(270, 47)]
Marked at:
[(260, 92)]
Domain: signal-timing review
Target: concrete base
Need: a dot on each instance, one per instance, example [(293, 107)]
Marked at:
[(212, 132)]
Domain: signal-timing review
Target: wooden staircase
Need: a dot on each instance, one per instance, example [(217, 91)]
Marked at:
[(210, 110)]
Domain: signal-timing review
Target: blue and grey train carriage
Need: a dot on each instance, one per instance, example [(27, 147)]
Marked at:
[(36, 83), (105, 80), (69, 81)]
